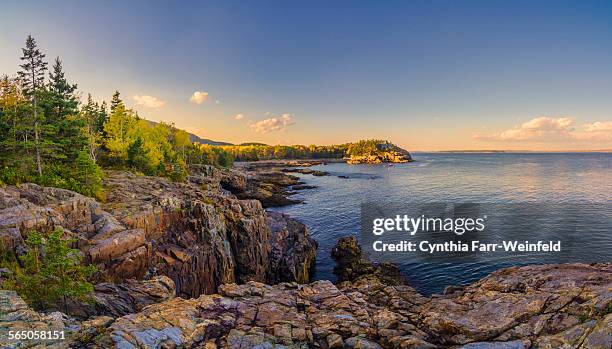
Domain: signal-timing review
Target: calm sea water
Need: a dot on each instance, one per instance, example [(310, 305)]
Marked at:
[(332, 209)]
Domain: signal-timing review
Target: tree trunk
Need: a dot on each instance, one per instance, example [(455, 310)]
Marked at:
[(36, 139)]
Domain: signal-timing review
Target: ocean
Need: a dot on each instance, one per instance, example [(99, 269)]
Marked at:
[(332, 210)]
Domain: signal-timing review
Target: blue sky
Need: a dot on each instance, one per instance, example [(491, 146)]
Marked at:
[(428, 75)]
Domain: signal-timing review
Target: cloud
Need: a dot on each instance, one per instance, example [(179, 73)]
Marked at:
[(148, 101), (550, 129), (199, 97), (279, 123), (605, 126), (239, 116), (541, 128)]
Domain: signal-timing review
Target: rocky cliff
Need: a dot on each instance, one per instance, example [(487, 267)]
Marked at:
[(154, 240), (196, 233), (544, 306)]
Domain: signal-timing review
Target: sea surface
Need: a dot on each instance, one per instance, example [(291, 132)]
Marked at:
[(332, 210)]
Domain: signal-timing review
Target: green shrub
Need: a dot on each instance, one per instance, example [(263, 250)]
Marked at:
[(50, 272)]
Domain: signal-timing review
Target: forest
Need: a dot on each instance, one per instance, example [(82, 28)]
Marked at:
[(49, 136)]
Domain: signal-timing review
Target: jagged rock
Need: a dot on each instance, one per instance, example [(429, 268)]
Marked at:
[(293, 252), (306, 171), (126, 298), (364, 313), (352, 264), (15, 315), (200, 237)]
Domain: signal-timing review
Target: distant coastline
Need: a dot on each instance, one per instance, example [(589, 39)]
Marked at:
[(486, 151)]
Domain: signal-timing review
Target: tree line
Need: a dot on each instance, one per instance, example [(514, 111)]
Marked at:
[(48, 135), (255, 152)]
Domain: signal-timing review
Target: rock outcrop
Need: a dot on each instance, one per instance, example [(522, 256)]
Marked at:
[(293, 252), (542, 306), (551, 306), (383, 152), (125, 298), (197, 233)]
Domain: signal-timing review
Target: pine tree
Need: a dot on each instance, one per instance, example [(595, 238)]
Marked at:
[(63, 124), (51, 271), (32, 78), (115, 101), (64, 101), (89, 175)]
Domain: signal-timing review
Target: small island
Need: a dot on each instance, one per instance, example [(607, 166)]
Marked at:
[(376, 152)]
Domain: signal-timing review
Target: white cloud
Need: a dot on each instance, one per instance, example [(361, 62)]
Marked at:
[(279, 123), (199, 97), (239, 116), (541, 128), (550, 129), (148, 101)]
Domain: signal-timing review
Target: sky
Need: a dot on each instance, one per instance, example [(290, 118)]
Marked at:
[(426, 75)]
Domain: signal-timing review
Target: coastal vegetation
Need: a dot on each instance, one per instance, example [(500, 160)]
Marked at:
[(362, 148), (50, 261), (50, 137)]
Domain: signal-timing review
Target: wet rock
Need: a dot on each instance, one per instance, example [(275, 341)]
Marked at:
[(302, 187), (306, 171)]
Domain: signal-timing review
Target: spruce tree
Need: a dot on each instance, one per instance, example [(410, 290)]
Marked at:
[(63, 125), (32, 77), (115, 101), (52, 271)]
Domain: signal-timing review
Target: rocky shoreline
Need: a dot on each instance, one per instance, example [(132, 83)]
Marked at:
[(202, 264)]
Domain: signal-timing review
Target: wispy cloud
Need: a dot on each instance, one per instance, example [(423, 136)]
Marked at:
[(239, 116), (148, 101), (279, 123), (551, 129), (199, 97), (605, 126)]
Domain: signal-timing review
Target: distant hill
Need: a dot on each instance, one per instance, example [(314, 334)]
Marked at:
[(253, 143), (193, 138), (197, 139)]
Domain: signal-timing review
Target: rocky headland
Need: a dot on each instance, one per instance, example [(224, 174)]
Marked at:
[(201, 264), (376, 152)]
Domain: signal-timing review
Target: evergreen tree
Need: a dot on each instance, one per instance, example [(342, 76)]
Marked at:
[(115, 101), (51, 271), (64, 100), (137, 155), (63, 126), (32, 78), (89, 175), (102, 117)]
